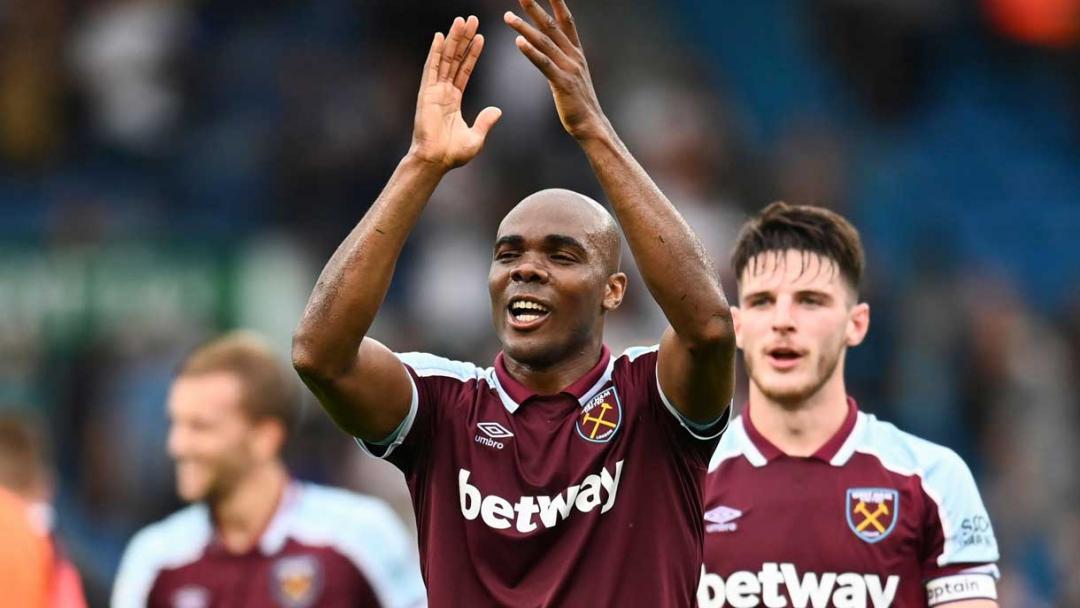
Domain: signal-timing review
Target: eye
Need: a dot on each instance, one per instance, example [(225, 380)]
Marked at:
[(505, 256), (759, 302), (563, 258), (812, 300)]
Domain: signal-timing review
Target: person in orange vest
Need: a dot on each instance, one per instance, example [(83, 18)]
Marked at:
[(25, 555), (26, 482)]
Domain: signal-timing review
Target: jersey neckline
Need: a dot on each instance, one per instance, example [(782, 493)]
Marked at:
[(579, 389), (826, 453)]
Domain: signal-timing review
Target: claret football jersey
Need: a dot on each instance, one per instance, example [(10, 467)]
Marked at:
[(324, 548), (588, 497), (875, 518)]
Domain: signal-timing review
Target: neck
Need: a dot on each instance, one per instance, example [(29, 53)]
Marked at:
[(244, 514), (554, 378), (800, 429)]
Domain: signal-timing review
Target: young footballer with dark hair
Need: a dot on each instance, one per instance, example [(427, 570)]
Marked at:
[(809, 501)]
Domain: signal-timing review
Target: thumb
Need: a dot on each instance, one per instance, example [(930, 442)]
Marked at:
[(486, 119)]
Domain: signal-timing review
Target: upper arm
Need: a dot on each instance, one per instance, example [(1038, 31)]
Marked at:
[(368, 399), (957, 524), (698, 380), (959, 564)]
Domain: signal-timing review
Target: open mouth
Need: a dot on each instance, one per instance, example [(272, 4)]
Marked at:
[(525, 313), (784, 357)]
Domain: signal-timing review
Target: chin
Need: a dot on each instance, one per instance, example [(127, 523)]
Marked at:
[(190, 494), (532, 353), (787, 395), (787, 390), (534, 349), (191, 490)]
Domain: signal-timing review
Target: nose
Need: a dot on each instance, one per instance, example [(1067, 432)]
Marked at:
[(176, 442), (528, 271), (782, 320)]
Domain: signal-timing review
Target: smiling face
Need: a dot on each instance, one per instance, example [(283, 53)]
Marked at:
[(797, 315), (212, 441), (554, 273)]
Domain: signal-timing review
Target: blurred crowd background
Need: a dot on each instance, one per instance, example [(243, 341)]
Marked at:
[(171, 169)]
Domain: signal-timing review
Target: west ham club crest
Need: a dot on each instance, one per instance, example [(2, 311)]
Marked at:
[(872, 512), (600, 417), (297, 580)]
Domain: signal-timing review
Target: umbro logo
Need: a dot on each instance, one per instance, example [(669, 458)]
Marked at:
[(493, 431), (722, 519)]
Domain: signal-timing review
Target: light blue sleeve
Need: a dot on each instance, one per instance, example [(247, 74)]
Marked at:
[(966, 532)]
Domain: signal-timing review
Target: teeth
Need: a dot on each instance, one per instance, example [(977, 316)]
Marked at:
[(527, 305), (527, 318)]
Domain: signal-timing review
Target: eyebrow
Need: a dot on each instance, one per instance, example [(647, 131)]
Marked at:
[(510, 240), (551, 241), (770, 292)]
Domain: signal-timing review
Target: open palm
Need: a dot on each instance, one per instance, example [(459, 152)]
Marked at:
[(440, 134)]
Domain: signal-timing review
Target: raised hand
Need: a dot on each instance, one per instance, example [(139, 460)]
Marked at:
[(440, 134), (553, 46)]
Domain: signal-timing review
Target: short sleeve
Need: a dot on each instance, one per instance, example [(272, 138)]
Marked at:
[(367, 532), (960, 560), (172, 543), (436, 384), (396, 569), (689, 437), (135, 577)]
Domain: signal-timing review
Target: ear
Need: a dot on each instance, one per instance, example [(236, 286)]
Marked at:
[(736, 320), (268, 438), (614, 291), (858, 324)]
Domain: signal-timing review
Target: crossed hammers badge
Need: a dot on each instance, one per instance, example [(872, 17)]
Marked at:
[(872, 512)]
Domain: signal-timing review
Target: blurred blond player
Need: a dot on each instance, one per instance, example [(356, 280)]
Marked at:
[(255, 536), (810, 502)]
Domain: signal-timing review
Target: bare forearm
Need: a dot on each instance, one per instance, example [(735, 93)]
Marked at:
[(671, 259), (354, 282)]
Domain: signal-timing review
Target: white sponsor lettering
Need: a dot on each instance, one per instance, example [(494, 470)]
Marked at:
[(498, 445), (499, 513), (767, 587)]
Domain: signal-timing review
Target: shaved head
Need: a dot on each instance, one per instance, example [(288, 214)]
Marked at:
[(581, 214), (559, 251)]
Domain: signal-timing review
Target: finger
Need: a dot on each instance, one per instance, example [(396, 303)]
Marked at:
[(431, 66), (450, 47), (469, 64), (540, 60), (471, 25), (566, 21), (486, 119), (545, 23), (536, 38)]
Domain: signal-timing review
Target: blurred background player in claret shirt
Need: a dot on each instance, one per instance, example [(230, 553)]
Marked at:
[(254, 535), (810, 501), (27, 477)]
